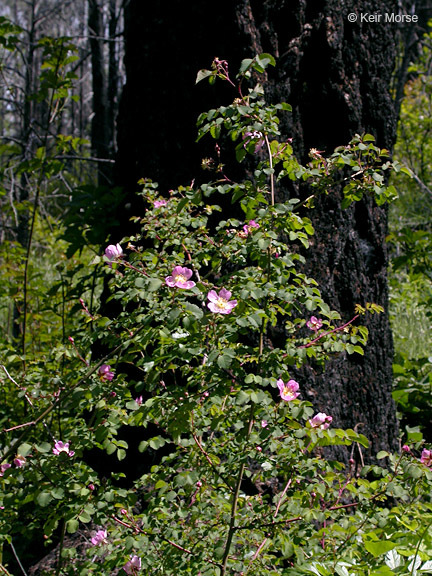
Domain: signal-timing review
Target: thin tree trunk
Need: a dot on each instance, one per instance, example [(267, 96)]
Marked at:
[(100, 130)]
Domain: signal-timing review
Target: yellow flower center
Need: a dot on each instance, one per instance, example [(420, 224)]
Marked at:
[(180, 278)]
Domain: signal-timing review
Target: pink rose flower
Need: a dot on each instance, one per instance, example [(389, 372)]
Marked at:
[(19, 461), (105, 373), (406, 448), (255, 135), (3, 468), (180, 278), (426, 457), (314, 323), (247, 228), (159, 203), (59, 447), (133, 566), (220, 303), (321, 420), (139, 400), (113, 252), (99, 538), (288, 391), (264, 423)]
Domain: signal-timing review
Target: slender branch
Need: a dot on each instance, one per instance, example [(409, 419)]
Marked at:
[(421, 183), (207, 457), (86, 158), (278, 505), (18, 426), (60, 549), (17, 559), (337, 329), (413, 570), (234, 505), (272, 186)]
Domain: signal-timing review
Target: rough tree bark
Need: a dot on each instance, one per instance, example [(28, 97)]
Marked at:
[(337, 75)]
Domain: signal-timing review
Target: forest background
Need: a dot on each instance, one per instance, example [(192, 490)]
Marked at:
[(92, 458)]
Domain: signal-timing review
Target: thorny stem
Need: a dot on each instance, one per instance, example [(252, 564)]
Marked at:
[(138, 530), (337, 329), (27, 397), (207, 457), (278, 505)]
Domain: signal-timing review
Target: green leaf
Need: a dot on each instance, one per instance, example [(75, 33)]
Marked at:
[(194, 309), (24, 449), (157, 442), (154, 284), (72, 526), (58, 493), (44, 499), (85, 517), (380, 547), (215, 131), (244, 66), (121, 454), (219, 552), (382, 454), (264, 60), (202, 74)]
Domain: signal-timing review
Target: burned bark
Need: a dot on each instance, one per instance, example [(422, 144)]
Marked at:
[(337, 75)]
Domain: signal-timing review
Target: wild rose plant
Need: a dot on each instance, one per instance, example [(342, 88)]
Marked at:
[(227, 469)]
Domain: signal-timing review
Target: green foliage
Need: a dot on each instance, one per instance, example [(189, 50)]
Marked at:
[(213, 313), (410, 241)]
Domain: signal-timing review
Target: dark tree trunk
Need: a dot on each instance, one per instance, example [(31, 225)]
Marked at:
[(337, 76), (101, 127)]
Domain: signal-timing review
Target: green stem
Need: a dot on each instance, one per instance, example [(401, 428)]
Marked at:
[(272, 186), (60, 559), (413, 569), (234, 505)]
